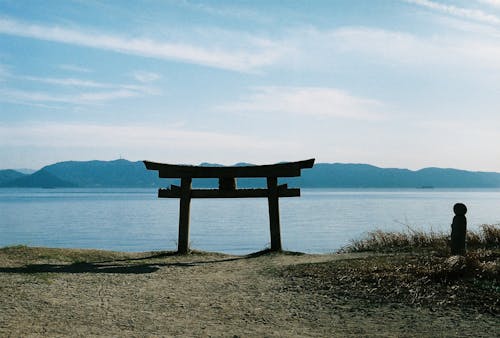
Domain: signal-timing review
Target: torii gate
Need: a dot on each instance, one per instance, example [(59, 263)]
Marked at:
[(227, 189)]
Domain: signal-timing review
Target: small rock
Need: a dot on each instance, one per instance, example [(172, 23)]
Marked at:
[(455, 263)]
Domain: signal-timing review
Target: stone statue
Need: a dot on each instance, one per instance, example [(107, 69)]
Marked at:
[(458, 230)]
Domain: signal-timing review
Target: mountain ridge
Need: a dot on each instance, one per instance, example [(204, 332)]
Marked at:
[(7, 175), (39, 179), (124, 173)]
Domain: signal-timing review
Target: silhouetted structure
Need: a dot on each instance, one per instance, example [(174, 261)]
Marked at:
[(459, 230), (227, 189)]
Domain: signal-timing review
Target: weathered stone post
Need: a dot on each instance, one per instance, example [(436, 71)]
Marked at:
[(459, 230)]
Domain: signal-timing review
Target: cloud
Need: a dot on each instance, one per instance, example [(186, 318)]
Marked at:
[(312, 101), (102, 92), (76, 134), (73, 82), (66, 82), (31, 97), (224, 11), (471, 14), (37, 143), (145, 77), (395, 48), (74, 68), (172, 137), (494, 3), (258, 53)]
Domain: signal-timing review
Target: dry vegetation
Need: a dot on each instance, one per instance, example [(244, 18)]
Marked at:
[(469, 285), (399, 285), (380, 241), (415, 269)]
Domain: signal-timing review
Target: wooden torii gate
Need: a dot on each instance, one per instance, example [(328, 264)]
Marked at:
[(228, 189)]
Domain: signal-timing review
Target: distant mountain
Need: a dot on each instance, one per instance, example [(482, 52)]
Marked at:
[(40, 179), (340, 175), (123, 173), (206, 164), (25, 171), (7, 175), (117, 173)]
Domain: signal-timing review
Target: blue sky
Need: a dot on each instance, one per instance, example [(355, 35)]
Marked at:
[(407, 84)]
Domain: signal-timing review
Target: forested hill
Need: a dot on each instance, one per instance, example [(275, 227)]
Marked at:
[(123, 173), (8, 175), (118, 173), (341, 175)]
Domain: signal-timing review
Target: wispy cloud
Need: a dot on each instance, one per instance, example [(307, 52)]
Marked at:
[(312, 101), (396, 48), (146, 77), (65, 82), (163, 139), (259, 53), (34, 97), (467, 13), (74, 68), (79, 91), (169, 143), (74, 82), (224, 11), (494, 3)]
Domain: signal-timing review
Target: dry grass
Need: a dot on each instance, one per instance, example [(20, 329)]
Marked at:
[(469, 285), (380, 241), (413, 268)]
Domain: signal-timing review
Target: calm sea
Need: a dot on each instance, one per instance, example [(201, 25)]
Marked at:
[(322, 220)]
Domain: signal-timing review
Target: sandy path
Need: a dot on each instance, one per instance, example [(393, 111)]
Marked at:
[(196, 295)]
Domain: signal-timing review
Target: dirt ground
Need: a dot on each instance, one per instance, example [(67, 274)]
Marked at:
[(55, 292)]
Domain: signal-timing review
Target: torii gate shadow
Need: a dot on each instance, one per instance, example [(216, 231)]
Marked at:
[(144, 268)]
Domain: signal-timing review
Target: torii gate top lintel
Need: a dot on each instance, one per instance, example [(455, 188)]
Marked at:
[(284, 169), (227, 189)]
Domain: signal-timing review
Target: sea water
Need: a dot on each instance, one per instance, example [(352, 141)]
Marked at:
[(320, 221)]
